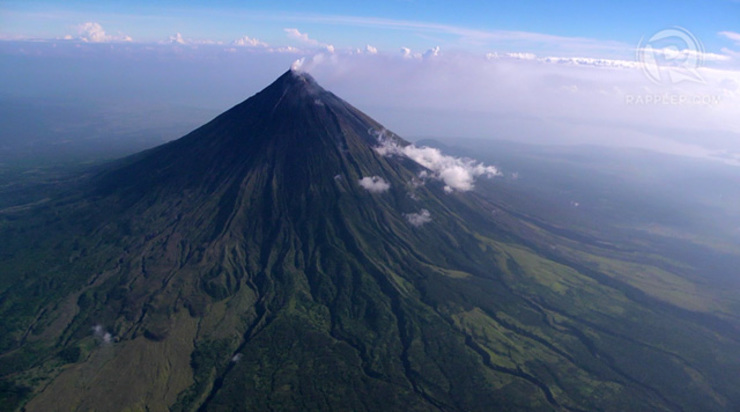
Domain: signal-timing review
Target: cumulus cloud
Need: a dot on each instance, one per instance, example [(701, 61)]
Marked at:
[(418, 219), (247, 41), (433, 52), (294, 33), (177, 39), (456, 173), (374, 184), (370, 49), (407, 53), (91, 32)]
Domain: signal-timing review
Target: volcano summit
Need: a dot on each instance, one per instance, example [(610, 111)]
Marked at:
[(293, 254)]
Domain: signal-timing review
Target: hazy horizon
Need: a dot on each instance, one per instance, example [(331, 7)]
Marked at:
[(668, 81)]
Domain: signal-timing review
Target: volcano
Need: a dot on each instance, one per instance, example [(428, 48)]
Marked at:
[(294, 254)]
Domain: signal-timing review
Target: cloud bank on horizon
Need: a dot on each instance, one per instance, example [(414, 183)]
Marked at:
[(91, 32), (582, 92)]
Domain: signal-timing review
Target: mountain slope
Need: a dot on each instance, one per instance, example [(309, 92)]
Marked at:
[(245, 266)]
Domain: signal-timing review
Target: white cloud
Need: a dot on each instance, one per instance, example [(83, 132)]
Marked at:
[(579, 97), (674, 54), (177, 39), (294, 33), (467, 35), (518, 56), (370, 49), (731, 35), (247, 41), (91, 32), (287, 49), (589, 61), (678, 56), (735, 37), (100, 333), (418, 219), (577, 61), (521, 56), (732, 53), (407, 53), (456, 173), (433, 52), (551, 100), (374, 184)]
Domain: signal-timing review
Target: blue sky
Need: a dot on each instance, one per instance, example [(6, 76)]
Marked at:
[(662, 75), (352, 24)]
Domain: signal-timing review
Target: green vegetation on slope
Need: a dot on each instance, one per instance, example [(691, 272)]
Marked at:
[(243, 267)]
